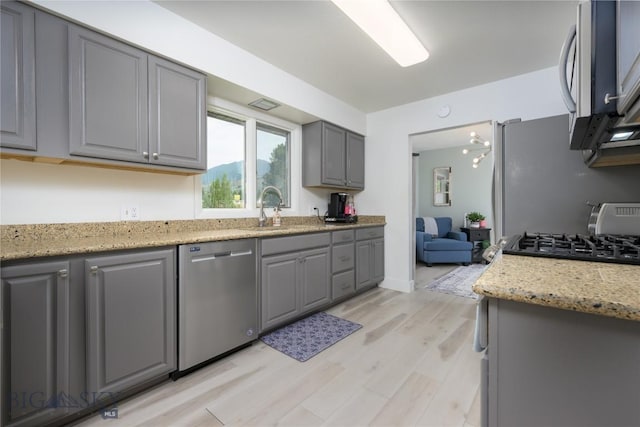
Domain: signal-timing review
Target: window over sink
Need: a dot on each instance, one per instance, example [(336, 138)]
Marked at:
[(247, 151)]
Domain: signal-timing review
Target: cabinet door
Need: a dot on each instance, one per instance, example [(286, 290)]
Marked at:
[(315, 282), (18, 111), (342, 284), (355, 161), (342, 257), (377, 262), (131, 317), (363, 264), (108, 98), (333, 155), (628, 54), (279, 289), (35, 342), (177, 116)]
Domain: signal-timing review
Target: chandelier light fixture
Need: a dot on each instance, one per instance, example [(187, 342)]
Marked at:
[(480, 144), (379, 20)]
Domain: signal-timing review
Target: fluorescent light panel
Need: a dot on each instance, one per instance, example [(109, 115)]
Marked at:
[(621, 136), (383, 24)]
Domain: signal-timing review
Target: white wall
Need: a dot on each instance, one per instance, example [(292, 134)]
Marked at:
[(470, 187), (388, 156)]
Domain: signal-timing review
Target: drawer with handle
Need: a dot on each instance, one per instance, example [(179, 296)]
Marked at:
[(343, 284), (369, 233), (342, 257), (342, 236)]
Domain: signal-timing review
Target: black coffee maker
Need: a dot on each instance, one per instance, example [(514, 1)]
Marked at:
[(339, 209)]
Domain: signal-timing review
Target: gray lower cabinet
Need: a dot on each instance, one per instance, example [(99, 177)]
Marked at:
[(131, 319), (342, 264), (36, 342), (550, 367), (18, 101), (369, 257), (332, 157), (295, 277)]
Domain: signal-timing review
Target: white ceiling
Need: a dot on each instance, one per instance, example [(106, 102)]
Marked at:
[(470, 42)]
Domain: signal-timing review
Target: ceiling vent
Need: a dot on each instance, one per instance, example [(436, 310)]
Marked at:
[(264, 104)]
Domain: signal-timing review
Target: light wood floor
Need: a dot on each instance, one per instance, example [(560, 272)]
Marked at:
[(411, 364)]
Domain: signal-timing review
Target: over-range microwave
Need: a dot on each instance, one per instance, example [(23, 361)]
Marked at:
[(600, 81)]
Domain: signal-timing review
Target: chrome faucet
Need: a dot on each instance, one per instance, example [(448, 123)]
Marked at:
[(263, 218)]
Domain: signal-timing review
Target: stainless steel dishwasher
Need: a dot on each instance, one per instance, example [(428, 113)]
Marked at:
[(217, 299)]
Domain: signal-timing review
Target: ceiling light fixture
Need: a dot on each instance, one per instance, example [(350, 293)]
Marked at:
[(264, 104), (485, 145), (383, 24)]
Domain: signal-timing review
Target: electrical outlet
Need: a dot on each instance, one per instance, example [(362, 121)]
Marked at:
[(130, 213), (313, 211)]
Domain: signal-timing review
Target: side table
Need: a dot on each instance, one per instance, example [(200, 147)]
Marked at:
[(477, 236)]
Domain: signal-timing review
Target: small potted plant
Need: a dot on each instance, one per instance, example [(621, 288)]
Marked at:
[(474, 219)]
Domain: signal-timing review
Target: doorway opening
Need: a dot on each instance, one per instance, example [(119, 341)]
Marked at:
[(466, 188)]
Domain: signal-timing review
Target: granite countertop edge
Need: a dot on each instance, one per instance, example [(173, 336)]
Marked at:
[(20, 242), (592, 293)]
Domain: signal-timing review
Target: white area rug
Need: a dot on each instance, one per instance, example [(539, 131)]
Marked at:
[(459, 281)]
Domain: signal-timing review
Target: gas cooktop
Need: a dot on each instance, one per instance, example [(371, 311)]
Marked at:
[(601, 248)]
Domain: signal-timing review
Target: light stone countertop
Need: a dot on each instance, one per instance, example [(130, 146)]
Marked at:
[(42, 240), (601, 288)]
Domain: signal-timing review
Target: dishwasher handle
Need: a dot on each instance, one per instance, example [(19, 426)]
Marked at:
[(220, 255), (480, 335)]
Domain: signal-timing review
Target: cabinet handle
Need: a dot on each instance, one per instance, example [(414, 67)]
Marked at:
[(608, 97), (145, 154), (94, 269), (155, 156), (63, 273), (345, 258)]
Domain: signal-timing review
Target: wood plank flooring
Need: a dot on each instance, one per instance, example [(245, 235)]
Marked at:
[(412, 363)]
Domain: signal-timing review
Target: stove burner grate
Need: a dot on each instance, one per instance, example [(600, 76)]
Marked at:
[(605, 248)]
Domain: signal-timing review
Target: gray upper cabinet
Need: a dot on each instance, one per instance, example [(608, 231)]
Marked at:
[(177, 116), (332, 157), (355, 161), (35, 342), (18, 100), (131, 319), (108, 97), (334, 165), (126, 104)]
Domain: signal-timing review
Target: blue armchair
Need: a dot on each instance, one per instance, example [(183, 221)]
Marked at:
[(445, 247)]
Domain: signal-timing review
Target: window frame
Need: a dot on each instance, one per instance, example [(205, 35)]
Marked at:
[(232, 119), (265, 127), (251, 118)]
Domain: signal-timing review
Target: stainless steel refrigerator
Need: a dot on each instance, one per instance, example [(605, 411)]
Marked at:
[(542, 186)]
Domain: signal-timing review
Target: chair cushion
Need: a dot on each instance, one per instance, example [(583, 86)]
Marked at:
[(444, 225), (441, 244)]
